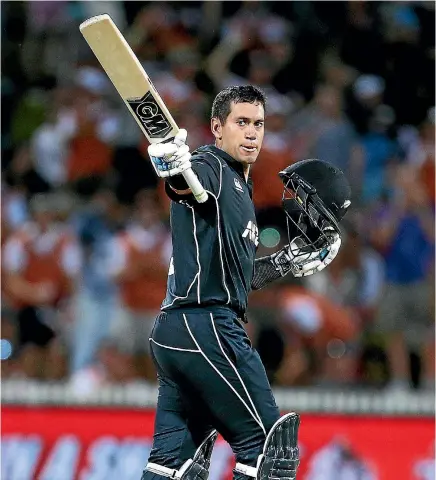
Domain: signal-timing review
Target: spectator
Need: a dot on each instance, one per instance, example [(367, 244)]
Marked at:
[(14, 210), (421, 155), (248, 52), (366, 95), (41, 263), (355, 279), (380, 151), (323, 339), (276, 34), (49, 146), (177, 84), (336, 73), (111, 366), (96, 226), (321, 129), (403, 232), (22, 175), (155, 31), (139, 265), (92, 126)]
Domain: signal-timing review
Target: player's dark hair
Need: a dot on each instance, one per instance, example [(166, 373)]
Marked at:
[(238, 94)]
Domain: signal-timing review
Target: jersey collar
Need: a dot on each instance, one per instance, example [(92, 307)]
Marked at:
[(237, 166)]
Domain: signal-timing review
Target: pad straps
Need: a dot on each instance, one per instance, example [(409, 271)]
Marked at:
[(161, 470), (196, 468), (246, 470)]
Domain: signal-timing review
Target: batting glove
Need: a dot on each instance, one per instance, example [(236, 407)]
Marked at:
[(172, 158), (300, 264)]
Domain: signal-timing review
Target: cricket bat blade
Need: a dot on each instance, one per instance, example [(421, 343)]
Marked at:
[(134, 87)]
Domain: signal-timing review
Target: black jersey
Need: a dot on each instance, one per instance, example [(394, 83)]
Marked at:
[(214, 243)]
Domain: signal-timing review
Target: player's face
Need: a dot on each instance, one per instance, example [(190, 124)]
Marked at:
[(241, 135)]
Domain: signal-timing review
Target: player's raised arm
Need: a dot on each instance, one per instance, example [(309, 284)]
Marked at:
[(139, 95)]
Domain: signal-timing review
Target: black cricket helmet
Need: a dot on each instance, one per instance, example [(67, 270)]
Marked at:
[(316, 196)]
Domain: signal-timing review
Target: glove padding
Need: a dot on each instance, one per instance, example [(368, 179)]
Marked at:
[(300, 264), (173, 158)]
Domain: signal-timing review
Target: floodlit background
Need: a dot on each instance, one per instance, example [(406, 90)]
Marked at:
[(85, 234)]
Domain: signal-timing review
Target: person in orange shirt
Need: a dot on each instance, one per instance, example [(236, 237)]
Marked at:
[(139, 264), (328, 331), (422, 155), (41, 263), (90, 126)]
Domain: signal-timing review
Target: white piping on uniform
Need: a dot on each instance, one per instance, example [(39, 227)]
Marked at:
[(237, 373), (222, 376), (197, 249), (173, 348), (221, 172), (197, 275)]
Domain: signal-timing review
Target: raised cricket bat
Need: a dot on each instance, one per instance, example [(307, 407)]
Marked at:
[(134, 86)]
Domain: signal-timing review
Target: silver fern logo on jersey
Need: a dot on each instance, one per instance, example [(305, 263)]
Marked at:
[(238, 185), (252, 233)]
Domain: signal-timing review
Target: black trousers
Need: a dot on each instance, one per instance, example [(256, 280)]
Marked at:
[(209, 377)]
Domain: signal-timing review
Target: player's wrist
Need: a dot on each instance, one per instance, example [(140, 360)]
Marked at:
[(171, 159), (177, 183), (282, 261)]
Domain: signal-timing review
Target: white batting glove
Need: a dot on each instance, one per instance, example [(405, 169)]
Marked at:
[(290, 259), (305, 265), (172, 158)]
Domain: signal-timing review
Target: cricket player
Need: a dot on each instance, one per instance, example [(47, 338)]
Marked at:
[(210, 377)]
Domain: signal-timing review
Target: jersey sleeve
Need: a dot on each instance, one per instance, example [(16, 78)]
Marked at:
[(209, 172)]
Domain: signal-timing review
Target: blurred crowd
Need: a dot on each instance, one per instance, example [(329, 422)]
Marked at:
[(85, 230)]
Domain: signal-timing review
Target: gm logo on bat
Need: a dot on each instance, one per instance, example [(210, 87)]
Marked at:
[(150, 115)]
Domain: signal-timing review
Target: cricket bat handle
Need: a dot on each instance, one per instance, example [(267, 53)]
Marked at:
[(196, 187)]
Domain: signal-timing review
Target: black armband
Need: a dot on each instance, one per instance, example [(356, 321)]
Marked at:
[(273, 267), (178, 182)]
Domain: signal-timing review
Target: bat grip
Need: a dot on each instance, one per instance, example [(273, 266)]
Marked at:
[(196, 187), (191, 179)]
